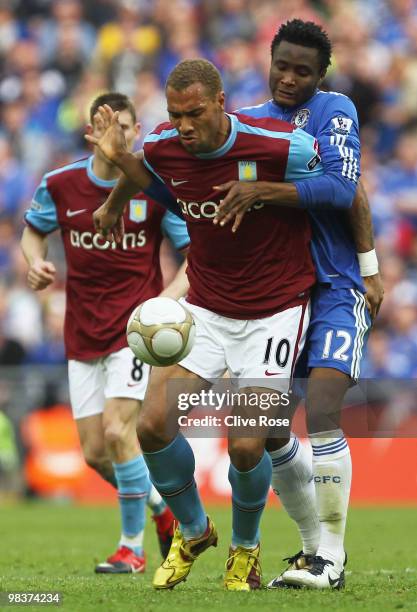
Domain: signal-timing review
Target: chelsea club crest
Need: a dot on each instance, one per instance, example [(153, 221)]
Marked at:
[(301, 117)]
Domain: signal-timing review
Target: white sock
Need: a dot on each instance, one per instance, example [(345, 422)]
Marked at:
[(155, 501), (332, 468), (292, 481), (134, 542)]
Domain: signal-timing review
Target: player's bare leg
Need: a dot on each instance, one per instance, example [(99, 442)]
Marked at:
[(91, 434), (119, 429), (170, 460), (110, 446), (332, 470), (119, 424), (99, 454)]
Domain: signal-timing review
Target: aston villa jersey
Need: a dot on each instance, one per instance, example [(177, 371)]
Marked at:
[(105, 280), (266, 265)]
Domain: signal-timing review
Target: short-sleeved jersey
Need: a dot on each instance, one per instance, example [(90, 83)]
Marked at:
[(266, 265), (332, 119), (105, 280)]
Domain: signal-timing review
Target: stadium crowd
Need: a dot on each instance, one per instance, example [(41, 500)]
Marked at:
[(57, 55)]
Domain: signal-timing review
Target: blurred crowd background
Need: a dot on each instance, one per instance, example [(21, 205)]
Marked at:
[(57, 55)]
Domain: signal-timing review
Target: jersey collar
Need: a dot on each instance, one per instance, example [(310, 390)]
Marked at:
[(225, 148), (95, 179)]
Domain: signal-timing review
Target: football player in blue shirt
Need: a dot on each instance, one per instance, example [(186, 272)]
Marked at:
[(346, 299)]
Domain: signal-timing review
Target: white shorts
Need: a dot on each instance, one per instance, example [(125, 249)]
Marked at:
[(91, 382), (257, 352)]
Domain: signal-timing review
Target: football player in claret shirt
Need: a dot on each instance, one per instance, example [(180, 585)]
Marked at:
[(105, 281), (249, 295), (348, 294)]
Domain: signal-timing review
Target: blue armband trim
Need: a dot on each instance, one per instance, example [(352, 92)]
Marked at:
[(176, 230), (159, 192), (327, 191), (42, 213)]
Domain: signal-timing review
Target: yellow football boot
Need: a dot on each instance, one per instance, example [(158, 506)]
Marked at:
[(181, 556), (243, 570)]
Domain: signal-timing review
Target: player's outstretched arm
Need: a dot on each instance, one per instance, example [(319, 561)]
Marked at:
[(363, 235), (337, 156), (112, 144), (301, 164), (107, 219), (41, 273)]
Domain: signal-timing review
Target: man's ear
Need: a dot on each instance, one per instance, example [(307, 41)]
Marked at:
[(138, 127), (221, 98)]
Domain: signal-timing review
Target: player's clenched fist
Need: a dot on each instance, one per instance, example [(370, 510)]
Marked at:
[(109, 135), (108, 224), (41, 274)]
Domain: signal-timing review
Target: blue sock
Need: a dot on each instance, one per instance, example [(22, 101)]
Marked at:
[(133, 484), (172, 473), (249, 494)]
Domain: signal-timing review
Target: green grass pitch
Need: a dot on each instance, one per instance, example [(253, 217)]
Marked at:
[(54, 548)]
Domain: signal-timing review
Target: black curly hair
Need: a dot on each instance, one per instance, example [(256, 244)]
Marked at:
[(306, 34)]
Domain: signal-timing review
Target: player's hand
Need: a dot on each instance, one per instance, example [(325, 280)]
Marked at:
[(108, 224), (374, 293), (240, 196), (41, 274), (111, 140)]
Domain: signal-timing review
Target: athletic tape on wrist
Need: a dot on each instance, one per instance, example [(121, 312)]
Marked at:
[(368, 263)]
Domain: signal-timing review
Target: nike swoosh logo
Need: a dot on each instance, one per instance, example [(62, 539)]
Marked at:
[(72, 213), (176, 183), (133, 384), (273, 373), (333, 581)]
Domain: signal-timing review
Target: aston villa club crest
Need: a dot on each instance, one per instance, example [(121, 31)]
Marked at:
[(137, 210), (247, 171), (301, 117)]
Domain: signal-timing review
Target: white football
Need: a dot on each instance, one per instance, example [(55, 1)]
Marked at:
[(160, 331)]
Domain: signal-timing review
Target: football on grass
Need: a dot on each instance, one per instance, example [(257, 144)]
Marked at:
[(161, 331)]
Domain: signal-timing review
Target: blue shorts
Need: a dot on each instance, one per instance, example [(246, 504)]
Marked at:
[(338, 332)]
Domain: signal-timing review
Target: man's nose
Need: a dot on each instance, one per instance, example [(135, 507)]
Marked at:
[(288, 78), (185, 126)]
